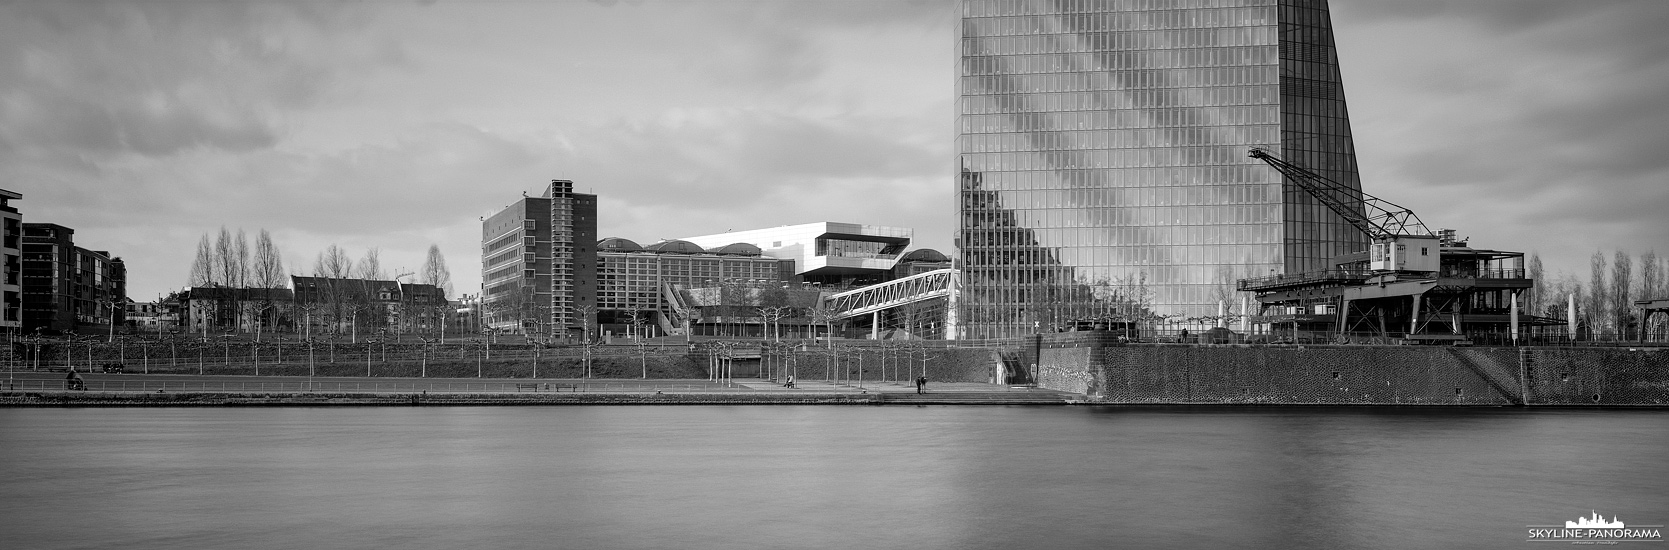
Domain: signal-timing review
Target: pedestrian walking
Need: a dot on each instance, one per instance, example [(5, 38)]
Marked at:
[(921, 384)]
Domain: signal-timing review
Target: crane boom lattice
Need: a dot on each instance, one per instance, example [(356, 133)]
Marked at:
[(1378, 218)]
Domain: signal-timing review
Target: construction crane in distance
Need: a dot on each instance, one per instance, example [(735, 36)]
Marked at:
[(1400, 241)]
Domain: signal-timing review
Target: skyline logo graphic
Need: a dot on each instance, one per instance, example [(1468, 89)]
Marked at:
[(1595, 529), (1596, 522)]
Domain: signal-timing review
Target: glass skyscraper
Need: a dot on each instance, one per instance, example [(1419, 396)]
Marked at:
[(1103, 160)]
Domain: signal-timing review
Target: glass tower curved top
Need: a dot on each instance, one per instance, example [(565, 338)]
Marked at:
[(1102, 151)]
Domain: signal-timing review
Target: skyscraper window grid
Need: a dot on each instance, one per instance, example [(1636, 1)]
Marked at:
[(1102, 151)]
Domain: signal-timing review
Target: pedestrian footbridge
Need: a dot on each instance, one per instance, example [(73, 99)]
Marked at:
[(870, 299)]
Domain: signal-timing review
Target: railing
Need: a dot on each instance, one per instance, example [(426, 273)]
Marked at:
[(1330, 275), (1482, 273), (151, 386)]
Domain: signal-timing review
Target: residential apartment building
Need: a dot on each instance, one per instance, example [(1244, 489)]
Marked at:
[(68, 288), (11, 272), (323, 304)]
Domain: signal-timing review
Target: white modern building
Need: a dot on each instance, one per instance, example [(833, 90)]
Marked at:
[(827, 253)]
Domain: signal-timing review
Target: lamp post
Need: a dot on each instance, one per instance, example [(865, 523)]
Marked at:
[(486, 344), (113, 304), (423, 370)]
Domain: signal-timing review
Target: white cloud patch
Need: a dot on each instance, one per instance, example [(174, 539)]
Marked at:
[(1530, 125)]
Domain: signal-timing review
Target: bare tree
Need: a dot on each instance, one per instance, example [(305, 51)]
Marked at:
[(1597, 295), (1651, 275), (225, 252), (334, 266), (370, 266), (1534, 298), (333, 263), (269, 264), (202, 267), (268, 271), (1622, 302), (435, 273), (240, 259)]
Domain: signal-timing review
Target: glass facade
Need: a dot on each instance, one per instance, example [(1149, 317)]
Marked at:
[(1102, 150)]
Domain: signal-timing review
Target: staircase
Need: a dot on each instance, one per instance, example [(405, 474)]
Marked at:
[(1505, 383)]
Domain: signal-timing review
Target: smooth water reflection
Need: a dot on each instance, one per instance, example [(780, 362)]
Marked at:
[(818, 477)]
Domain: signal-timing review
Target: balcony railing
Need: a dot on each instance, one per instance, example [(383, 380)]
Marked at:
[(1330, 275), (1482, 273)]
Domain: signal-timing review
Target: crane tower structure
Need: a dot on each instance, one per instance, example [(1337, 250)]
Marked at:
[(1410, 286)]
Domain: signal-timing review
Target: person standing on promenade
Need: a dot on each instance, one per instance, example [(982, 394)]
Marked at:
[(921, 384)]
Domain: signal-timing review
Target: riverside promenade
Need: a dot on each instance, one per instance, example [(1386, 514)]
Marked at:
[(38, 389)]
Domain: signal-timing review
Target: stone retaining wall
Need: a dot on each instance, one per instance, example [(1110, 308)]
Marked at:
[(1381, 375)]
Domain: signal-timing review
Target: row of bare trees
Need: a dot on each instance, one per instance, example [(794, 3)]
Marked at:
[(227, 262), (237, 286), (1605, 304)]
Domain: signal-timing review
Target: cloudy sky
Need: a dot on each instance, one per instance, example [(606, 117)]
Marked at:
[(1528, 125)]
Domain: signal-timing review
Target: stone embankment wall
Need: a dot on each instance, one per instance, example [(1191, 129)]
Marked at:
[(1377, 375), (843, 362)]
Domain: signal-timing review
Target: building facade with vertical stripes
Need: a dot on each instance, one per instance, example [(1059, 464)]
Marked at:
[(1102, 154), (539, 264)]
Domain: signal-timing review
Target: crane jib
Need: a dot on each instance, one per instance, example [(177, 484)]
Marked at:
[(1377, 218)]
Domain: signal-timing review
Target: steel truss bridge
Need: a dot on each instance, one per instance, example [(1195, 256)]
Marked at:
[(875, 298)]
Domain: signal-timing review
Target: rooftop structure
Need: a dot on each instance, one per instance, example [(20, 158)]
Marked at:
[(827, 253)]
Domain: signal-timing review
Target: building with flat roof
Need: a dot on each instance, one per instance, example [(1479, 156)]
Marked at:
[(539, 263), (652, 290), (826, 253), (1102, 156), (11, 272), (66, 287)]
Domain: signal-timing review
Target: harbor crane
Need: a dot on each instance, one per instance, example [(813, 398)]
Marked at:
[(1409, 282), (1400, 241)]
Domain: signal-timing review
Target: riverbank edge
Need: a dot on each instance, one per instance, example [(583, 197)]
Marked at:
[(353, 399)]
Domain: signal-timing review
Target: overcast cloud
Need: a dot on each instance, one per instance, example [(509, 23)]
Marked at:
[(1527, 125)]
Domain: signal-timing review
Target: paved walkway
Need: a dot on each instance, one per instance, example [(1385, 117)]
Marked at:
[(880, 387)]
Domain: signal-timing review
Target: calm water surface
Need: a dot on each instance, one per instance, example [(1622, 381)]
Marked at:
[(820, 477)]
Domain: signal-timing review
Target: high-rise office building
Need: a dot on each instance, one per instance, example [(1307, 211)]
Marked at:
[(1103, 161), (539, 263)]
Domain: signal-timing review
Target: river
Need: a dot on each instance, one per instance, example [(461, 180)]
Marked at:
[(721, 477)]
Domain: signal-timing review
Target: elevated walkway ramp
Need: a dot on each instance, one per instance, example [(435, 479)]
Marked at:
[(938, 283)]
